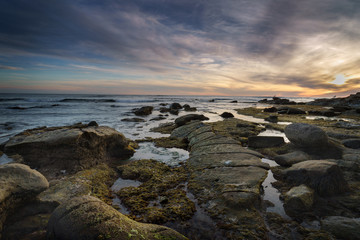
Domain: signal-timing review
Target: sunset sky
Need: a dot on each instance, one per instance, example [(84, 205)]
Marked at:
[(195, 47)]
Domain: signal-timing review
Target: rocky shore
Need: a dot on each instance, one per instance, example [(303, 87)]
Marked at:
[(59, 185)]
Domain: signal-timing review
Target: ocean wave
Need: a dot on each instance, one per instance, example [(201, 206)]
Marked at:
[(86, 100), (41, 106), (11, 99)]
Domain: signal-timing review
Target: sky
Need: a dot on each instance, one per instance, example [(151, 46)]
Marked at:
[(183, 47)]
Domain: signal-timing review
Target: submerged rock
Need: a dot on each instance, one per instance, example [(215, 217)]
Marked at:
[(70, 148), (133, 120), (306, 135), (325, 177), (18, 184), (87, 217)]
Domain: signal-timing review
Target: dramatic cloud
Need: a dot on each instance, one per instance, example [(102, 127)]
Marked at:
[(267, 47)]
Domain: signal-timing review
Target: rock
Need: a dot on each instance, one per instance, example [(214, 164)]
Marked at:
[(133, 120), (227, 115), (306, 135), (277, 100), (341, 108), (352, 143), (342, 227), (298, 199), (87, 217), (188, 108), (351, 101), (288, 159), (329, 113), (19, 183), (143, 111), (174, 111), (70, 148), (159, 118), (265, 141), (93, 124), (325, 177), (164, 110), (272, 118), (234, 101), (271, 109), (175, 106), (188, 118), (289, 110)]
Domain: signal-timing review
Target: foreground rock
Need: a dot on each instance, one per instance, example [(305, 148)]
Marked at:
[(18, 184), (288, 159), (298, 199), (87, 217), (306, 135), (225, 179), (70, 148), (265, 141), (325, 177), (342, 227)]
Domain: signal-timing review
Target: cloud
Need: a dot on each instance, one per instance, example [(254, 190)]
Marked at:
[(301, 44), (10, 68)]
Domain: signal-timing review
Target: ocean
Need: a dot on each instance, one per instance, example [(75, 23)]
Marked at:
[(25, 111)]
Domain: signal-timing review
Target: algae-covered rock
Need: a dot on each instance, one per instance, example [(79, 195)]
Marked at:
[(70, 148), (95, 181), (160, 198), (18, 184), (325, 177), (89, 218), (298, 199), (265, 141), (180, 121)]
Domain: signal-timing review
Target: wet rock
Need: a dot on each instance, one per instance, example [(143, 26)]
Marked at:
[(265, 141), (159, 118), (234, 101), (306, 135), (165, 128), (352, 101), (18, 184), (325, 177), (270, 109), (188, 118), (272, 118), (341, 108), (288, 159), (329, 113), (87, 217), (352, 143), (164, 110), (277, 100), (289, 110), (133, 120), (187, 108), (342, 227), (347, 125), (298, 199), (174, 111), (185, 130), (176, 106), (143, 111), (70, 148), (227, 115), (93, 124)]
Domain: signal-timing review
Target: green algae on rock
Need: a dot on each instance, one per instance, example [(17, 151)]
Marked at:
[(87, 217), (160, 197)]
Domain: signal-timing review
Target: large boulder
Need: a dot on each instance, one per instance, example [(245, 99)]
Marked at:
[(324, 176), (18, 183), (180, 121), (143, 111), (342, 227), (89, 218), (306, 135), (70, 148)]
